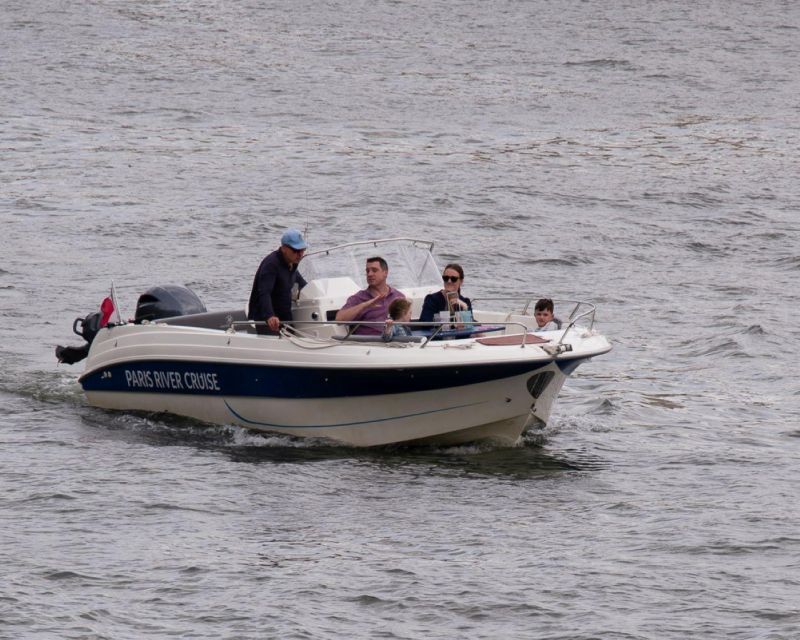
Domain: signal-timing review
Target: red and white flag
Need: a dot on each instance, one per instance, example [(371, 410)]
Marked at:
[(106, 309)]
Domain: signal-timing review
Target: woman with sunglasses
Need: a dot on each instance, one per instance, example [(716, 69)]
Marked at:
[(434, 303)]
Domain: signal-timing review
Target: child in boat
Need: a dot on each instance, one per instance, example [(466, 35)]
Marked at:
[(399, 312), (543, 312)]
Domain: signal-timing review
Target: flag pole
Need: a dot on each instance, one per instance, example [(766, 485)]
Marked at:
[(114, 300)]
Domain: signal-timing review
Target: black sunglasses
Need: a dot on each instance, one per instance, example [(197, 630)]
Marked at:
[(451, 278)]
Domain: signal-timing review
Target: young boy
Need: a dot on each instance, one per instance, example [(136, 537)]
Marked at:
[(399, 311), (543, 312)]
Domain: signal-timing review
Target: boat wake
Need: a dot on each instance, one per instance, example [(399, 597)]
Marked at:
[(44, 386)]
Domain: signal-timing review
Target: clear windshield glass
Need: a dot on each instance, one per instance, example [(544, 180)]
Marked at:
[(411, 263)]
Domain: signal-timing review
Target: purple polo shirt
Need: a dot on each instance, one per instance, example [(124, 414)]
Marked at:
[(376, 313)]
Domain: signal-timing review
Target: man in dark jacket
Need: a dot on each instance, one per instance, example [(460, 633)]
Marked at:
[(271, 296)]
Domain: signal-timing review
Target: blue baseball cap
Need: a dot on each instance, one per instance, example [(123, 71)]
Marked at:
[(294, 239)]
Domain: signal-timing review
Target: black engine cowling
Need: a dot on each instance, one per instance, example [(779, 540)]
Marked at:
[(87, 329), (167, 301), (89, 326)]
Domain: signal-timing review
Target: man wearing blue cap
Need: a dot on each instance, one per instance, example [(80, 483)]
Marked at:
[(271, 297)]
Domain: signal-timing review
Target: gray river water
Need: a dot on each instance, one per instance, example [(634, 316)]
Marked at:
[(641, 155)]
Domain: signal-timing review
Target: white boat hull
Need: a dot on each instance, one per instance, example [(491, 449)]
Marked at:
[(357, 394), (498, 410)]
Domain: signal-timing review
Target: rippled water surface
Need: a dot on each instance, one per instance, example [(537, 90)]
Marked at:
[(642, 155)]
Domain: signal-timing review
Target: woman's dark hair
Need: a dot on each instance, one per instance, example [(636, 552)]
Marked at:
[(455, 267)]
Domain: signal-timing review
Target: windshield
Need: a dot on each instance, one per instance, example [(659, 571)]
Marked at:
[(411, 263)]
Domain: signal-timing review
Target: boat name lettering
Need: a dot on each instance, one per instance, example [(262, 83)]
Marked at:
[(173, 380)]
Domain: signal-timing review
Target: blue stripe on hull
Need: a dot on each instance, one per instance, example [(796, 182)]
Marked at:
[(220, 379)]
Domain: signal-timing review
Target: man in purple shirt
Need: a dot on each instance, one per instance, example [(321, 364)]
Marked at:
[(371, 304)]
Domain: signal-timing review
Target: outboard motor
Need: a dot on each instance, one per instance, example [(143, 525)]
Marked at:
[(89, 326), (167, 301)]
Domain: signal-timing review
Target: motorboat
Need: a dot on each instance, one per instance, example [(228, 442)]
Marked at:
[(460, 379)]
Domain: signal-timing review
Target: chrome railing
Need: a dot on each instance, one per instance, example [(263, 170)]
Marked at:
[(576, 314), (427, 244), (437, 328)]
